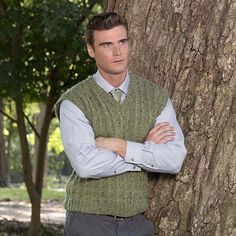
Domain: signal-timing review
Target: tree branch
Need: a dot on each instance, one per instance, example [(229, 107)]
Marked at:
[(15, 121), (31, 125), (8, 116)]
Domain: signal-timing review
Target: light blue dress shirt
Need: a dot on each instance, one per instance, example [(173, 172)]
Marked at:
[(91, 162)]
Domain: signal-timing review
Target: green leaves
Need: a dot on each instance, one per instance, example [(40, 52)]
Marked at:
[(43, 47)]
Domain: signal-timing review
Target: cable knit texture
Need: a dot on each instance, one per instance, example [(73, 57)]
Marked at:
[(125, 194)]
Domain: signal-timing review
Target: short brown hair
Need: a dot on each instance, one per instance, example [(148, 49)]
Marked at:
[(104, 21)]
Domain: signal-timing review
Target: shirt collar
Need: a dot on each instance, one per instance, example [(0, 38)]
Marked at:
[(108, 87)]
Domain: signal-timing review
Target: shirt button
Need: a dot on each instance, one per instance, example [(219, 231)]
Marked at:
[(152, 165), (134, 167), (132, 159), (115, 172)]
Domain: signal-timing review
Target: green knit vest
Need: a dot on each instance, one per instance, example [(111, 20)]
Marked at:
[(125, 194)]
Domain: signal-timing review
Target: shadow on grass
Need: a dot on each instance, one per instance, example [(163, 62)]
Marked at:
[(13, 228)]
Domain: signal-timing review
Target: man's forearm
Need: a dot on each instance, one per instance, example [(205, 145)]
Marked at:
[(115, 145)]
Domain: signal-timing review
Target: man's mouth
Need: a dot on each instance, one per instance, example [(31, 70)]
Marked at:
[(116, 61)]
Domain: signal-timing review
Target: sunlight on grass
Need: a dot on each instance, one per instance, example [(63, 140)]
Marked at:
[(20, 194)]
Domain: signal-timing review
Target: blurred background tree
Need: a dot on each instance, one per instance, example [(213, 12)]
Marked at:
[(43, 52)]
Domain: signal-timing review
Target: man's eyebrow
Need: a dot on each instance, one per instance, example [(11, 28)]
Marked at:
[(108, 42), (124, 39), (103, 43)]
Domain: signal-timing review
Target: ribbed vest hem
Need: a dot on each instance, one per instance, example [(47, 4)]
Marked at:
[(73, 205)]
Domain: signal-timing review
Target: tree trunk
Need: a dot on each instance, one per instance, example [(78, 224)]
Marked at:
[(42, 148), (40, 119), (188, 47), (34, 190), (35, 197), (35, 225), (4, 163)]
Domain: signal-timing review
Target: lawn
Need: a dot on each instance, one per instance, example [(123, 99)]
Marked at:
[(20, 194)]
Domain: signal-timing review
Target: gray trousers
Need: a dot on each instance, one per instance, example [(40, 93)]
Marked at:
[(84, 224)]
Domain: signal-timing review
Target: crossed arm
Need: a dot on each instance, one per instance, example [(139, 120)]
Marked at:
[(161, 133), (163, 150)]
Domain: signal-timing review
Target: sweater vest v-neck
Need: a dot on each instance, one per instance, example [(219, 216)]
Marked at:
[(124, 194)]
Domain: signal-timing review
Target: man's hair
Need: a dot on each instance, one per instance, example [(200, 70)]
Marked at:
[(104, 21)]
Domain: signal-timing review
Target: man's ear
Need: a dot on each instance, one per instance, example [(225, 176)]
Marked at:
[(90, 50)]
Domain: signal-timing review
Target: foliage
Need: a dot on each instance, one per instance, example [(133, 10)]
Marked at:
[(57, 158), (51, 36), (53, 182), (51, 39), (54, 142), (55, 149)]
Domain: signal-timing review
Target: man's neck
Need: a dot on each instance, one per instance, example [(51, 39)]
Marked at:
[(114, 79)]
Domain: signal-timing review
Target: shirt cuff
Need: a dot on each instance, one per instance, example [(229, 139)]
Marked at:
[(133, 152)]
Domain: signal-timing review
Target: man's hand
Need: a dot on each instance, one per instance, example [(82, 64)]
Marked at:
[(115, 145), (161, 133)]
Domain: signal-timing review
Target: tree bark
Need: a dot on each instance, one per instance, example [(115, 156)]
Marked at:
[(35, 197), (5, 179), (43, 141), (41, 115), (188, 47)]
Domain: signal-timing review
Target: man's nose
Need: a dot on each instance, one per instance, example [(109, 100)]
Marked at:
[(116, 50)]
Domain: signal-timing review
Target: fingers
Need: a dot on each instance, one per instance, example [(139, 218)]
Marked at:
[(161, 133), (165, 137), (164, 126)]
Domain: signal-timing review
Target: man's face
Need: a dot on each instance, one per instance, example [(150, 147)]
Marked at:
[(110, 51)]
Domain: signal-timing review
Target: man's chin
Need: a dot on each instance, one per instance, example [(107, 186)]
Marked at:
[(120, 72)]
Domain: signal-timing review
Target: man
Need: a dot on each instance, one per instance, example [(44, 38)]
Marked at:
[(115, 127)]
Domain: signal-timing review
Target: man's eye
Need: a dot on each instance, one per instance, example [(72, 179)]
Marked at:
[(107, 45), (123, 41)]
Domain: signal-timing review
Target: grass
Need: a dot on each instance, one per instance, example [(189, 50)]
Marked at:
[(20, 194)]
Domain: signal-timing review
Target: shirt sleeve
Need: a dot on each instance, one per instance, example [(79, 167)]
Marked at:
[(79, 143), (162, 158)]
